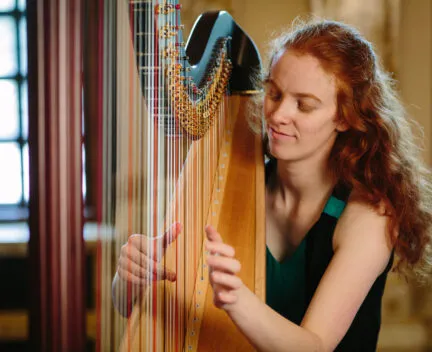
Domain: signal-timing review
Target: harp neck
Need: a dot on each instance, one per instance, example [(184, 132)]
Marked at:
[(175, 92)]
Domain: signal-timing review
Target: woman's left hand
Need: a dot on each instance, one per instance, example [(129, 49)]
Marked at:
[(223, 268)]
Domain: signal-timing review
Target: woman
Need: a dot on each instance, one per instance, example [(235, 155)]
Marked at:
[(344, 190)]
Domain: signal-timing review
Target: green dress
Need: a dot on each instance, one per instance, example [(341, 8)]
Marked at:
[(285, 284), (291, 284)]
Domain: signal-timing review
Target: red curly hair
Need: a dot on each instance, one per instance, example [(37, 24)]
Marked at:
[(378, 155)]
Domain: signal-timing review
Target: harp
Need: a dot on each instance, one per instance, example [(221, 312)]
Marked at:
[(183, 152), (167, 141)]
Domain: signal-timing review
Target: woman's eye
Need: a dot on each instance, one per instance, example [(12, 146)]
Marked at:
[(303, 107), (274, 95)]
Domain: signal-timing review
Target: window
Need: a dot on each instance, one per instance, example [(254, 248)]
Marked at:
[(14, 189)]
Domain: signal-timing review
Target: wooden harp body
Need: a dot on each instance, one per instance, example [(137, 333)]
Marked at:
[(181, 150), (236, 209)]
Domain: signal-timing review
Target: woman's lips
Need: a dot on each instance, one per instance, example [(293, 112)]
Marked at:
[(279, 135)]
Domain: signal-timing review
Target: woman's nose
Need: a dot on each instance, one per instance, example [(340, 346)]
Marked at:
[(281, 114)]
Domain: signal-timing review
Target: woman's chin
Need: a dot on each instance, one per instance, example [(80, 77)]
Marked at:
[(280, 153)]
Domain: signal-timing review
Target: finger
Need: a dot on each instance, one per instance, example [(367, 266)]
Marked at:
[(132, 253), (142, 266), (227, 297), (222, 298), (140, 242), (220, 248), (160, 245), (224, 264), (162, 273), (155, 248), (146, 246), (156, 271), (133, 268), (129, 277), (171, 234), (212, 234), (227, 281)]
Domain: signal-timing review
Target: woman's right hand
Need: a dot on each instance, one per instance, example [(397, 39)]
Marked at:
[(139, 261)]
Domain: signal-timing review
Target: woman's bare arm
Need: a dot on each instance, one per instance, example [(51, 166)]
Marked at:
[(361, 254)]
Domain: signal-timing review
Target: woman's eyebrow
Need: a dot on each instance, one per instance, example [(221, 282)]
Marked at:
[(269, 80), (270, 83)]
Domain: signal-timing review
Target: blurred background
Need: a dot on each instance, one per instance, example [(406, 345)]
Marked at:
[(401, 33)]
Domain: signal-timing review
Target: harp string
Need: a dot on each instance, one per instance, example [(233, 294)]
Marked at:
[(146, 183), (169, 303)]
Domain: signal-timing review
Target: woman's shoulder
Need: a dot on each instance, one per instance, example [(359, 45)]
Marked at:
[(358, 205), (363, 227)]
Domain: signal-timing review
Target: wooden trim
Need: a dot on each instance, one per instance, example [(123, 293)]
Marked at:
[(14, 325), (260, 243)]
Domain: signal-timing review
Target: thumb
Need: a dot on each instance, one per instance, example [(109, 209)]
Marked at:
[(171, 234), (160, 244)]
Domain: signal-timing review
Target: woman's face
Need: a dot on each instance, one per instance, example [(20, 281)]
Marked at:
[(299, 107)]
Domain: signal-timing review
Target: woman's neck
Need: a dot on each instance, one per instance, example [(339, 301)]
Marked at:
[(302, 181)]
